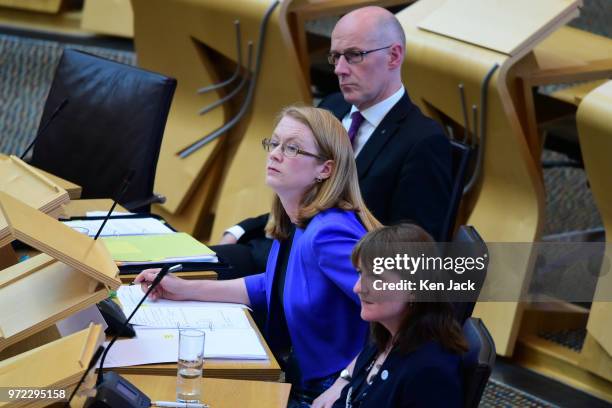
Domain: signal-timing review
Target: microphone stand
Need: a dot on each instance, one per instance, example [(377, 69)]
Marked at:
[(91, 365), (124, 186), (164, 271), (45, 126)]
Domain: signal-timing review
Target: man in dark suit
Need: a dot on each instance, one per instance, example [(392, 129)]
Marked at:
[(403, 158)]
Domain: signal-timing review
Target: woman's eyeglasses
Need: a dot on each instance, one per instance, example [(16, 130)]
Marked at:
[(288, 149)]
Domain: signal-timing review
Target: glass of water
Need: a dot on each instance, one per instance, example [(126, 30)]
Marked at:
[(190, 362)]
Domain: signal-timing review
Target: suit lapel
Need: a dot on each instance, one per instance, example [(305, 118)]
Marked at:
[(383, 132), (340, 110)]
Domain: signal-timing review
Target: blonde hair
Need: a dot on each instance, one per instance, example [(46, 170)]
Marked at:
[(340, 190)]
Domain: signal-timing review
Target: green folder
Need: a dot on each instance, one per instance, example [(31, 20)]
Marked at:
[(175, 247)]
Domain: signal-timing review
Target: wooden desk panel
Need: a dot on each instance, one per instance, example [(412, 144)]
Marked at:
[(74, 190), (79, 208), (208, 275), (216, 393)]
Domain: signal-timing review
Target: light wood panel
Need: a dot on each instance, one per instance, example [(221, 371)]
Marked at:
[(507, 203), (59, 241), (36, 340), (113, 17), (560, 363), (569, 46), (74, 190), (68, 22), (507, 27), (38, 292), (595, 134), (216, 393), (194, 41), (57, 365), (575, 93), (65, 278), (25, 183), (10, 163), (588, 369), (29, 185), (595, 359), (45, 6), (567, 55)]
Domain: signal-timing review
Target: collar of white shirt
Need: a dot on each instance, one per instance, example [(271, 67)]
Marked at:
[(376, 113), (373, 116)]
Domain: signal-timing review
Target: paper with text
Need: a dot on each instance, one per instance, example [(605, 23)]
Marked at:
[(130, 295), (152, 346), (122, 226)]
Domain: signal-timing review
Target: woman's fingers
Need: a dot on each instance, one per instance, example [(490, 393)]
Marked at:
[(145, 278)]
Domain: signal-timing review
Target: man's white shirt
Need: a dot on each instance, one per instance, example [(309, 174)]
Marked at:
[(373, 116)]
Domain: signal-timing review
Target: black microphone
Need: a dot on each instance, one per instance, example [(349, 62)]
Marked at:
[(164, 271), (122, 189), (45, 126), (91, 365)]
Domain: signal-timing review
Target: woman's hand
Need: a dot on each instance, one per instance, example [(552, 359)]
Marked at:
[(170, 287), (327, 399)]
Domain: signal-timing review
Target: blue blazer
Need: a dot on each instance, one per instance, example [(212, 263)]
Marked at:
[(429, 377), (322, 312)]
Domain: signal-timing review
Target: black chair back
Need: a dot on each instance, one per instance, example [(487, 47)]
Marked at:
[(461, 155), (477, 362), (113, 124), (474, 247)]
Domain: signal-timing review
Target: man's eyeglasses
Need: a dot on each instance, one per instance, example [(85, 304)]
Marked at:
[(351, 56), (288, 150)]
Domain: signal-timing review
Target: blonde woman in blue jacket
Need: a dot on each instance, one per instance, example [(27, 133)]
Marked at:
[(317, 216)]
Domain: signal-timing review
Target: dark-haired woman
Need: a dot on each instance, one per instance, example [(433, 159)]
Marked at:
[(413, 358)]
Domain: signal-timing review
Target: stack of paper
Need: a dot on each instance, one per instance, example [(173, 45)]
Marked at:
[(130, 295), (229, 334), (155, 346), (121, 226), (160, 248), (26, 184)]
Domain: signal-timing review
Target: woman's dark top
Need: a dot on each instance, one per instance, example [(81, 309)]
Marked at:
[(428, 377)]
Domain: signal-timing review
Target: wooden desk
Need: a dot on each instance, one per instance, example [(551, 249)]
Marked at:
[(208, 275), (74, 190), (262, 370), (216, 393), (568, 55), (76, 208), (79, 208)]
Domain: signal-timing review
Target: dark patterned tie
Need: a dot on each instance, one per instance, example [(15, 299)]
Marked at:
[(356, 121)]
